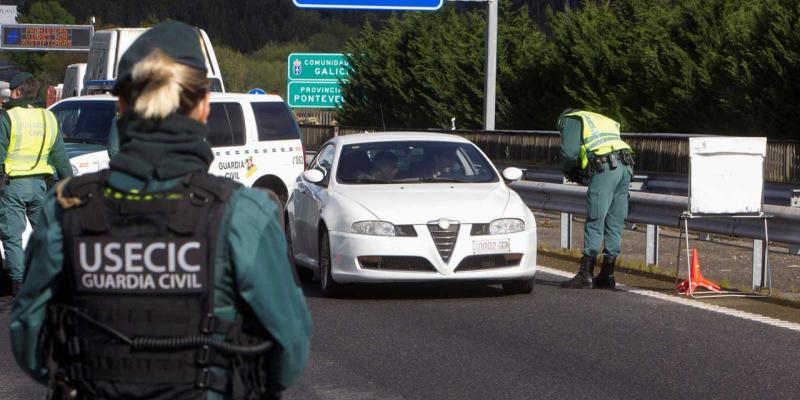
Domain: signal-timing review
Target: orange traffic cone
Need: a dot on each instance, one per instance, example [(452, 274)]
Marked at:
[(696, 278)]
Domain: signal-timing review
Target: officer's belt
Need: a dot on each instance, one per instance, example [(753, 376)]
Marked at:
[(35, 176)]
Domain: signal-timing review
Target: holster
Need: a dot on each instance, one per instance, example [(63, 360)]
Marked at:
[(3, 182), (627, 158)]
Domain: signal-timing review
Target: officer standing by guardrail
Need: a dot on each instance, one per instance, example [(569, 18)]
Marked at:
[(155, 279), (593, 153), (32, 150)]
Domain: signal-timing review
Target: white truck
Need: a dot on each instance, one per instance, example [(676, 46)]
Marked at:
[(108, 46), (73, 80)]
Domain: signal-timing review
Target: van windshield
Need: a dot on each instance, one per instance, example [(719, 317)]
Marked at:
[(85, 121)]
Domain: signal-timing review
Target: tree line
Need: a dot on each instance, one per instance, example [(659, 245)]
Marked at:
[(710, 66)]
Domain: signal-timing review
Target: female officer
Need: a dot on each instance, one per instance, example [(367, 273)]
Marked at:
[(155, 279)]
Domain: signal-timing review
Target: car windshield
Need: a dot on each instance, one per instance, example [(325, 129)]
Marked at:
[(413, 162), (85, 121)]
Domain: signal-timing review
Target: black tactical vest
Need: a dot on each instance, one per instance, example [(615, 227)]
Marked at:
[(138, 316)]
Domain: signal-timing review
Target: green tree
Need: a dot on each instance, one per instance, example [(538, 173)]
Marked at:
[(423, 69)]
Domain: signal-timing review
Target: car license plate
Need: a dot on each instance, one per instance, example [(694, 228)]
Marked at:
[(491, 246)]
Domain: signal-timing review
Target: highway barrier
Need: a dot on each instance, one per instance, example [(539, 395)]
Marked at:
[(655, 152), (657, 210)]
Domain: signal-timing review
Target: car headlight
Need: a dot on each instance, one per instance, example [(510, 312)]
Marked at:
[(374, 228), (383, 228), (498, 227)]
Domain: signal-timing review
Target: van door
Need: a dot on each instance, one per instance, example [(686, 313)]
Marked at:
[(227, 135)]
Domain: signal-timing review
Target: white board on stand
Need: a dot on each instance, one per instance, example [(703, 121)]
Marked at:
[(726, 175)]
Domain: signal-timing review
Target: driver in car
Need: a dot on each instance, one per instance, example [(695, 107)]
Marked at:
[(384, 166), (445, 164)]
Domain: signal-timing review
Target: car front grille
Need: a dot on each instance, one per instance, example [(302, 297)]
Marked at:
[(396, 263), (444, 239), (488, 261)]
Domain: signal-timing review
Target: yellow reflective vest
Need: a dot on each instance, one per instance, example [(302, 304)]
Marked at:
[(600, 135), (33, 133)]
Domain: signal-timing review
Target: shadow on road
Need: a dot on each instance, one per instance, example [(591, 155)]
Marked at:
[(415, 291)]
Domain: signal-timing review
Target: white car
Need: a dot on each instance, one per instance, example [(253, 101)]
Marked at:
[(409, 207)]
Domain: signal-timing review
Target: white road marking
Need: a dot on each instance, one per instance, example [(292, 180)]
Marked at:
[(691, 303)]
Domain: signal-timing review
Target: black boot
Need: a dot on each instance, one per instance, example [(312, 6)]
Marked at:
[(605, 279), (8, 304), (583, 279)]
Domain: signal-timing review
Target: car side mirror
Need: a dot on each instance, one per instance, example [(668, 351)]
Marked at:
[(313, 175), (512, 174)]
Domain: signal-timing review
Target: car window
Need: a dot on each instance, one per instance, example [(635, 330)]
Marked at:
[(324, 159), (275, 121), (226, 125), (413, 162), (85, 121), (214, 85)]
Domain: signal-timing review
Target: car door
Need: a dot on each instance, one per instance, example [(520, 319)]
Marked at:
[(307, 204)]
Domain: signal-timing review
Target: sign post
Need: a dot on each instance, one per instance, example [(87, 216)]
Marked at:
[(315, 78), (44, 37), (399, 5)]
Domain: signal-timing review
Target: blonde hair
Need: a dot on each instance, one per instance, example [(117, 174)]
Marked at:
[(160, 86)]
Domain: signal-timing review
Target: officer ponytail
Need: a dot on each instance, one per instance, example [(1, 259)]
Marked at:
[(159, 87)]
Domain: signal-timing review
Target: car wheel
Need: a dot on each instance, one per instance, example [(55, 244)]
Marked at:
[(330, 288), (304, 274), (522, 286)]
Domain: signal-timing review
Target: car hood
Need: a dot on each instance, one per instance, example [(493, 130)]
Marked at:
[(79, 149), (422, 203)]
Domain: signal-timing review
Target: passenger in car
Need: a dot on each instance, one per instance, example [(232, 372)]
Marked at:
[(384, 166)]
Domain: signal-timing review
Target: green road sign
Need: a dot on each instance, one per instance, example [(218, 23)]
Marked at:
[(319, 94), (310, 66)]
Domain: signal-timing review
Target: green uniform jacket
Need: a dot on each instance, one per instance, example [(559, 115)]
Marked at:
[(255, 242), (58, 154)]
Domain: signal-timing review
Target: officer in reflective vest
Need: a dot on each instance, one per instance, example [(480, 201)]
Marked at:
[(154, 279), (32, 150), (593, 153)]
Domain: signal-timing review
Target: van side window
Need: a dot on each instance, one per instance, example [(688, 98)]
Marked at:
[(226, 125), (275, 121), (215, 85)]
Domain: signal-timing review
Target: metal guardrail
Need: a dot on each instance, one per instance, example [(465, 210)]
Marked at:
[(664, 210), (658, 210), (778, 194), (656, 152)]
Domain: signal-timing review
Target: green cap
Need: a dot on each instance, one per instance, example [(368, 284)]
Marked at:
[(19, 79), (176, 39)]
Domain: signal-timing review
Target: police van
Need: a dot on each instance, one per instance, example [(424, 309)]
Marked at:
[(107, 48), (255, 138)]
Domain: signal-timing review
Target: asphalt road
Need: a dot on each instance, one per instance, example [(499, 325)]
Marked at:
[(424, 342)]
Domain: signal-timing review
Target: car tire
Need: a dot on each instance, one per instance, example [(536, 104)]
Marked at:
[(303, 274), (330, 288), (522, 286)]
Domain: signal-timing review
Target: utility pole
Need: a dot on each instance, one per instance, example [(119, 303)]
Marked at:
[(490, 77)]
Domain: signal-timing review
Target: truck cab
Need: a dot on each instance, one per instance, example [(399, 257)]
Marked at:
[(107, 48)]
